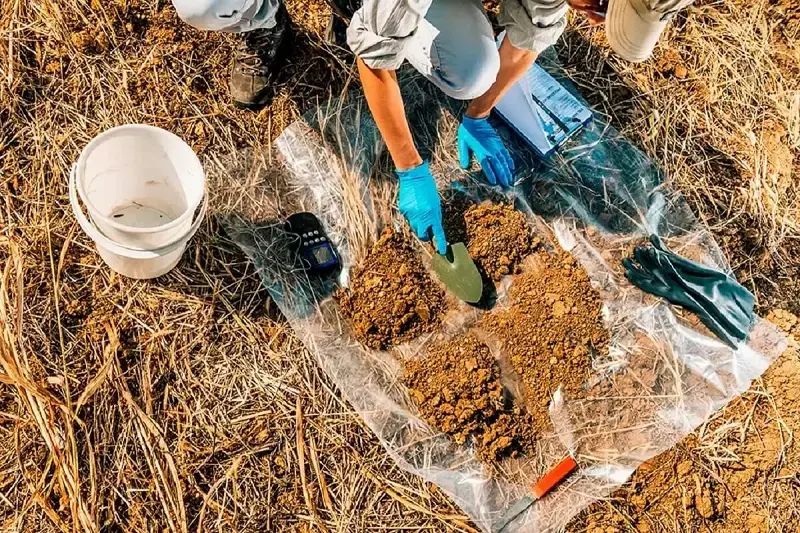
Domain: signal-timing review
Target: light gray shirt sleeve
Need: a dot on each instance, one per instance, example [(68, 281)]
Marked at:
[(382, 31), (533, 24)]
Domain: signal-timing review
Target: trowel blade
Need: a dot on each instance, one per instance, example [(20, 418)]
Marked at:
[(458, 272)]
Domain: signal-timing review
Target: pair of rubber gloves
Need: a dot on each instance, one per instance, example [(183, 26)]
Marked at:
[(418, 199), (721, 303)]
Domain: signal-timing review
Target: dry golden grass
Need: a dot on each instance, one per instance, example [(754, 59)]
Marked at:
[(185, 404)]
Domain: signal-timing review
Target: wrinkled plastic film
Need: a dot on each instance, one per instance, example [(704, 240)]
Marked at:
[(664, 373)]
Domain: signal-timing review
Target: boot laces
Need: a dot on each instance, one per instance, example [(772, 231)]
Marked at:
[(250, 50)]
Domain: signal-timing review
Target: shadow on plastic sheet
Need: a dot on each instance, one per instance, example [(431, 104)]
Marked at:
[(598, 176), (253, 197), (273, 252)]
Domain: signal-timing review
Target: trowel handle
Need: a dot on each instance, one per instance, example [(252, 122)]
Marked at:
[(555, 476)]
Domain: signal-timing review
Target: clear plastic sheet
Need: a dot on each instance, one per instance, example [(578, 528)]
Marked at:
[(663, 376)]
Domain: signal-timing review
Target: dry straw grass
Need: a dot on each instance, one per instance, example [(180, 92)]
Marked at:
[(184, 404)]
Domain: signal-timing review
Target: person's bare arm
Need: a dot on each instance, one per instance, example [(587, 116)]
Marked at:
[(513, 64), (515, 61), (386, 104)]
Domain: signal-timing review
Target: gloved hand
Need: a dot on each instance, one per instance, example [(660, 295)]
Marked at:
[(419, 202), (476, 135), (721, 303)]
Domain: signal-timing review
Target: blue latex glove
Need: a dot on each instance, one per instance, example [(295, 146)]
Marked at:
[(476, 135), (419, 202)]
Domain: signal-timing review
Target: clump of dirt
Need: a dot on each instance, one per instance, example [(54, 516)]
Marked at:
[(497, 236), (89, 41), (670, 63), (457, 388), (391, 298), (551, 330)]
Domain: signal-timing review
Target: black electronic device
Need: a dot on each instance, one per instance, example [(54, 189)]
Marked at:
[(315, 251)]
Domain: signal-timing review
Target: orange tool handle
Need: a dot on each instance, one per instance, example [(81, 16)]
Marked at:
[(554, 477)]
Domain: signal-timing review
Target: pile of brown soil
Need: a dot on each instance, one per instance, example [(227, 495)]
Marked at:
[(391, 298), (458, 390), (497, 236), (550, 330)]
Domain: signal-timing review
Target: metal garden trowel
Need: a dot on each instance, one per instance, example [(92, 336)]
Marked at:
[(458, 272)]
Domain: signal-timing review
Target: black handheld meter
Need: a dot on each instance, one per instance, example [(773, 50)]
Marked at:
[(315, 251)]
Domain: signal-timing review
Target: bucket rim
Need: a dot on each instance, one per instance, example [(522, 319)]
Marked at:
[(95, 213)]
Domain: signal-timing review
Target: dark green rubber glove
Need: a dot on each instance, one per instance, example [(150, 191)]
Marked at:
[(704, 290), (652, 284), (721, 303), (711, 284), (722, 295)]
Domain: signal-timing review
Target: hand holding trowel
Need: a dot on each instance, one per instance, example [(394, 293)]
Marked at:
[(419, 202)]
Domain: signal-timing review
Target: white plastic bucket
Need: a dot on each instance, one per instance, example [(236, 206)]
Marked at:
[(141, 186)]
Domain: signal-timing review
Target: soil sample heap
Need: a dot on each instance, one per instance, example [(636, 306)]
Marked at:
[(457, 388), (550, 330), (391, 298), (497, 236)]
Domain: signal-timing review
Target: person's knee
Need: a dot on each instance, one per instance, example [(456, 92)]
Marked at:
[(472, 77), (200, 14)]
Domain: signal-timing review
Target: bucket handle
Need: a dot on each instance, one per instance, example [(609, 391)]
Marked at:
[(119, 249)]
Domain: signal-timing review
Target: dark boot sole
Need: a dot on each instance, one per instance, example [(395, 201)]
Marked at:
[(253, 106)]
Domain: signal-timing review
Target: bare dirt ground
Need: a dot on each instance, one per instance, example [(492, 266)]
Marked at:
[(185, 404)]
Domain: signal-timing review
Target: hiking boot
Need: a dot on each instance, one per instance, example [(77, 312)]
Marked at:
[(255, 58), (342, 12)]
